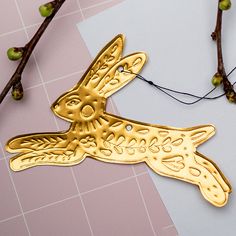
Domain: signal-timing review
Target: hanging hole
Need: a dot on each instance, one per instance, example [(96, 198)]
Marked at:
[(129, 127), (120, 69)]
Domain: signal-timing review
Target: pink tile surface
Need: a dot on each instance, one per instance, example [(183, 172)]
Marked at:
[(63, 54), (41, 186), (91, 11), (140, 168), (90, 3), (92, 174), (13, 227), (9, 205), (93, 198), (62, 219), (122, 210), (162, 221), (9, 11)]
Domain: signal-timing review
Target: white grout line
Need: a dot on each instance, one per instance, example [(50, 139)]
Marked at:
[(52, 204), (144, 203), (168, 226), (98, 4), (58, 17), (10, 218), (82, 202), (39, 23), (80, 9), (74, 196), (53, 80), (17, 195), (11, 32), (113, 183)]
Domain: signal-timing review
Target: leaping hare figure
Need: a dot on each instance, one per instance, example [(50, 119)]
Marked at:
[(97, 134)]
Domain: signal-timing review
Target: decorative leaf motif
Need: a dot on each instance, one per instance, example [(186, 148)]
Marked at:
[(107, 144), (137, 61), (130, 151), (142, 149), (153, 141), (167, 148), (142, 142), (166, 141), (194, 171), (118, 149), (120, 140), (114, 82), (110, 137), (163, 133), (132, 142), (177, 142), (111, 58), (106, 152), (175, 163), (94, 77), (107, 79), (143, 131), (154, 149), (114, 48)]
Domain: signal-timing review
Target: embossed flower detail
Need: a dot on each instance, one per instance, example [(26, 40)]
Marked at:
[(88, 141)]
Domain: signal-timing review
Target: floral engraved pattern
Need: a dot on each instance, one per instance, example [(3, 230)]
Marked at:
[(88, 141), (121, 144)]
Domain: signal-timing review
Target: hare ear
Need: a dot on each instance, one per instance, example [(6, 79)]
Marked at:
[(107, 57), (116, 79)]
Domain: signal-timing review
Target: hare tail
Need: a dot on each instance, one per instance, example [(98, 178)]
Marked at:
[(201, 134)]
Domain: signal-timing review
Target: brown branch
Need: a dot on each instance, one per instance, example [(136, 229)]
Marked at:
[(217, 36), (28, 49)]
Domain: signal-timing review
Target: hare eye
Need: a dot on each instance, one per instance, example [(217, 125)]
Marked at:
[(73, 102)]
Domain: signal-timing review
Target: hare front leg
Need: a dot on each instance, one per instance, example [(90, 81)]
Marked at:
[(35, 142), (196, 170)]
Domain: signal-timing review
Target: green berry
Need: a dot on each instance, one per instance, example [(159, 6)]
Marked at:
[(46, 10), (17, 91), (14, 54), (217, 80), (225, 5)]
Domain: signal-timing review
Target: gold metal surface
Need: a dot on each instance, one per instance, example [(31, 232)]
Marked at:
[(95, 133)]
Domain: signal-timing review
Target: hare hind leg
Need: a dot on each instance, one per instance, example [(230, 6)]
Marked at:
[(214, 189), (55, 157)]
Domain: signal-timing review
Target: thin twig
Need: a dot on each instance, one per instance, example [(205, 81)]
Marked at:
[(217, 36), (28, 49)]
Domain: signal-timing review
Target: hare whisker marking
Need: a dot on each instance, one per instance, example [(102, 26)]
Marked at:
[(94, 133)]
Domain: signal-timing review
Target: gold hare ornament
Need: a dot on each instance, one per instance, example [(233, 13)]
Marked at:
[(97, 134)]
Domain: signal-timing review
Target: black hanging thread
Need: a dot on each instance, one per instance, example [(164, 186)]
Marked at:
[(166, 90)]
